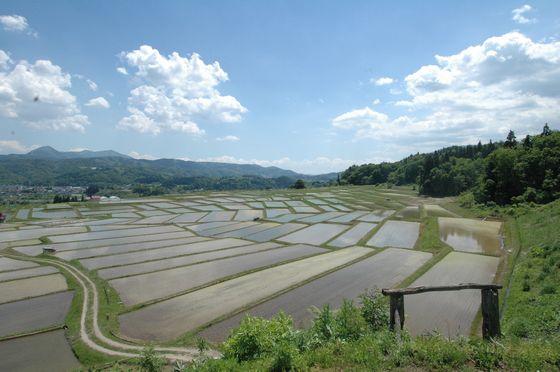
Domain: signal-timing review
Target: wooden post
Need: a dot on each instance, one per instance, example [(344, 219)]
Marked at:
[(396, 306), (490, 314), (490, 304)]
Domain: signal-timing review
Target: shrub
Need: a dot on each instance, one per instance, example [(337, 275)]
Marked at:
[(284, 357), (375, 310), (466, 199), (323, 328), (350, 325), (150, 361), (256, 337)]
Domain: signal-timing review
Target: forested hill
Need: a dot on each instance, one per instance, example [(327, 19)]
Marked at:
[(502, 172), (46, 166)]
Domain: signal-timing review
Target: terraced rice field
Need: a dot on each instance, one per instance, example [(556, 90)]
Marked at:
[(42, 352), (400, 234), (35, 313), (469, 235), (451, 313), (142, 288), (315, 234), (170, 318), (30, 287), (182, 262), (383, 270)]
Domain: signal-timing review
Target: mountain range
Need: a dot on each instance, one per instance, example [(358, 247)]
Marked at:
[(47, 166)]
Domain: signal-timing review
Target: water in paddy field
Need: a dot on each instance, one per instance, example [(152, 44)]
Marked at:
[(467, 235)]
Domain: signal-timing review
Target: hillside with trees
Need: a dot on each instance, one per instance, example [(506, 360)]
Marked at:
[(46, 166), (505, 172)]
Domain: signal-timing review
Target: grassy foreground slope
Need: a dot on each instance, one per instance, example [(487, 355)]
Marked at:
[(355, 338), (533, 304)]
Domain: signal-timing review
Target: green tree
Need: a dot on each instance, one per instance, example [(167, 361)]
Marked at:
[(546, 130), (510, 140), (299, 184)]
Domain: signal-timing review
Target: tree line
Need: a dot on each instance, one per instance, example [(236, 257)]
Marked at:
[(503, 172)]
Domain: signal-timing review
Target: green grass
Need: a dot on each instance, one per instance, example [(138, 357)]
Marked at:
[(533, 302)]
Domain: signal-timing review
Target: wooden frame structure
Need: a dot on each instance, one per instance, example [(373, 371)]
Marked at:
[(489, 298)]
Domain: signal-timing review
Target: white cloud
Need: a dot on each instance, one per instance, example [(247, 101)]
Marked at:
[(229, 138), (91, 84), (98, 102), (122, 70), (518, 15), (5, 60), (318, 165), (38, 95), (383, 81), (78, 149), (507, 81), (14, 147), (16, 23), (176, 93), (376, 101), (137, 155)]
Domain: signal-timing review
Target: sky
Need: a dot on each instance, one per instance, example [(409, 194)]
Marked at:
[(312, 86)]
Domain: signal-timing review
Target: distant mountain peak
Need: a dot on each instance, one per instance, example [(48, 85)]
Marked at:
[(43, 151), (48, 152)]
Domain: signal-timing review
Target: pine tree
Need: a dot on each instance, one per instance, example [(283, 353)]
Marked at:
[(546, 130), (510, 140)]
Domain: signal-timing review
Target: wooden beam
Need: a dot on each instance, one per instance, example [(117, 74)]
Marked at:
[(423, 289)]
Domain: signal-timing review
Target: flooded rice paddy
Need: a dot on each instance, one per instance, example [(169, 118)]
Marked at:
[(149, 266), (398, 234), (41, 352), (170, 318), (469, 235), (30, 287), (383, 270), (180, 262), (352, 236), (451, 313), (35, 313), (142, 288), (315, 234), (196, 245)]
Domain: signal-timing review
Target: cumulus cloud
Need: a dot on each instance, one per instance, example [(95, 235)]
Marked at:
[(38, 95), (16, 23), (176, 93), (5, 60), (383, 81), (228, 138), (518, 14), (98, 102), (506, 82), (317, 165), (137, 155), (122, 70), (14, 147)]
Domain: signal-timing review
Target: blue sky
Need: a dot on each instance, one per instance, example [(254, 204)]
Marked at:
[(313, 86)]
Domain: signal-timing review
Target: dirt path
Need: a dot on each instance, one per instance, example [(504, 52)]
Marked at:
[(110, 347)]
